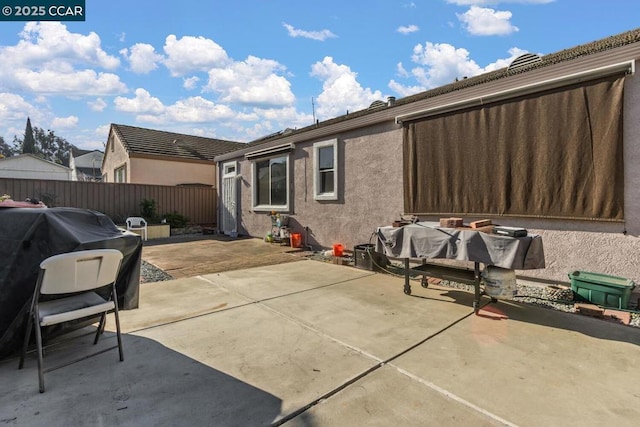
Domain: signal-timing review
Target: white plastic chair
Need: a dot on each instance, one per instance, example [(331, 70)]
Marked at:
[(136, 223), (79, 274)]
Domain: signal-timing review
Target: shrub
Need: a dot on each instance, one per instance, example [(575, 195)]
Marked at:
[(175, 220), (148, 209)]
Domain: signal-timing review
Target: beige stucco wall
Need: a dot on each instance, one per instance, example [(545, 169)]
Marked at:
[(115, 156), (145, 170), (170, 172), (371, 195)]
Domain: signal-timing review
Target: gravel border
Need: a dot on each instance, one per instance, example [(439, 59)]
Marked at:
[(544, 296), (151, 273)]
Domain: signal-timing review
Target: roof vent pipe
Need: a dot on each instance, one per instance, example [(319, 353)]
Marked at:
[(391, 101)]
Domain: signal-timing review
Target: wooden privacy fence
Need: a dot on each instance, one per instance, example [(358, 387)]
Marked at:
[(118, 201)]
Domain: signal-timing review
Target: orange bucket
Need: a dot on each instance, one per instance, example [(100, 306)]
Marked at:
[(337, 249), (296, 240)]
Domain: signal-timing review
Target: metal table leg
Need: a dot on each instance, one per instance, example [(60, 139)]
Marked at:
[(407, 285), (476, 273)]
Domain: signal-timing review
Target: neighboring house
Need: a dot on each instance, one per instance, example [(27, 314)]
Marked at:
[(551, 144), (86, 165), (30, 166), (146, 156)]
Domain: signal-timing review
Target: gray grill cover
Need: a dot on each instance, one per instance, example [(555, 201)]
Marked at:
[(428, 240)]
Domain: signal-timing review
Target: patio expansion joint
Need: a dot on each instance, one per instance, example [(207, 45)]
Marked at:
[(453, 396), (242, 296), (380, 363)]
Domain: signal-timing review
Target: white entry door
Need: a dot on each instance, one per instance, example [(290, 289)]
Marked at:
[(229, 198)]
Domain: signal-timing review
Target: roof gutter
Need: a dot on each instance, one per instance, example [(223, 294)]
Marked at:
[(627, 67)]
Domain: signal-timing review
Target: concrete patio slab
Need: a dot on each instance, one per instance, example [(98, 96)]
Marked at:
[(260, 283), (373, 314), (387, 397), (154, 386), (535, 366), (315, 344), (174, 300), (266, 350)]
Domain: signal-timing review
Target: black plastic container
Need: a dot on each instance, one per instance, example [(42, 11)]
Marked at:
[(366, 258)]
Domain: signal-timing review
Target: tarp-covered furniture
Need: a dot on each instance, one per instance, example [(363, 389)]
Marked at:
[(29, 236), (427, 240)]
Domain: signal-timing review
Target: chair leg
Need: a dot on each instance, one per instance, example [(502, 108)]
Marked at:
[(25, 343), (101, 326), (118, 333), (40, 361)]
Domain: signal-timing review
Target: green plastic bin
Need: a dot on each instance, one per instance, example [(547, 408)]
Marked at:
[(601, 289)]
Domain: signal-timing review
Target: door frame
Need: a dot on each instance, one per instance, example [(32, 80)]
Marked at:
[(228, 170)]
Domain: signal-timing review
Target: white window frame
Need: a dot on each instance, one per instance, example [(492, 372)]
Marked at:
[(227, 169), (254, 185), (316, 170), (122, 168)]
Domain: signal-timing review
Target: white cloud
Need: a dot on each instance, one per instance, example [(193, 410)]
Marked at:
[(142, 58), (402, 72), (51, 60), (14, 110), (193, 54), (444, 63), (45, 41), (190, 110), (440, 64), (103, 131), (254, 81), (198, 109), (14, 107), (190, 83), (321, 35), (142, 103), (64, 122), (407, 29), (402, 90), (340, 89), (85, 82), (488, 2), (287, 117), (97, 105), (481, 21)]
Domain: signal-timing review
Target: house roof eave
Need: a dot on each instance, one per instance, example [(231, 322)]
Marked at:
[(613, 49)]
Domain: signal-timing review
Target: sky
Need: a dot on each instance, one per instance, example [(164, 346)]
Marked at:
[(241, 70)]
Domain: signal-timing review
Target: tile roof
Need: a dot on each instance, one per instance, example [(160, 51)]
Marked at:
[(612, 42), (160, 143)]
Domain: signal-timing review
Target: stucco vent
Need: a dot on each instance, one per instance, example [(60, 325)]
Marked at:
[(377, 104), (524, 60)]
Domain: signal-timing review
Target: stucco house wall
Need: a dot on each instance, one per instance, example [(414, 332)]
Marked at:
[(115, 156), (370, 194), (171, 172), (158, 157), (28, 166), (371, 188)]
